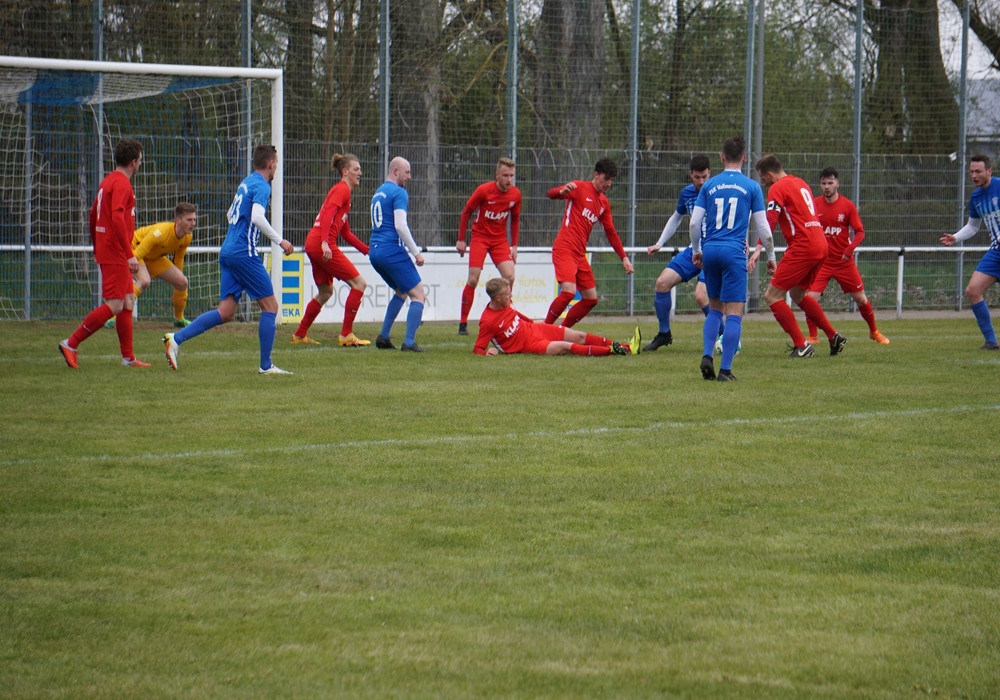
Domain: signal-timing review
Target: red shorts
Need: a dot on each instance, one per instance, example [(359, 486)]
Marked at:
[(797, 270), (116, 281), (541, 335), (573, 267), (498, 248), (337, 267), (844, 271)]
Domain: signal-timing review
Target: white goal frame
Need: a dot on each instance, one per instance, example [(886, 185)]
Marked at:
[(273, 75)]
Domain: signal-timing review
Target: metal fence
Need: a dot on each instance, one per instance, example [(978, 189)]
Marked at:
[(896, 99)]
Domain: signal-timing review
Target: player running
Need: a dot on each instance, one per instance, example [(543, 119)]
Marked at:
[(586, 204), (790, 205)]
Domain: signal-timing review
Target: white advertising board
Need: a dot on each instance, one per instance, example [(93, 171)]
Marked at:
[(444, 275)]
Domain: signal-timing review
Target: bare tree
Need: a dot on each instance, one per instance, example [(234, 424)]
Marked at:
[(984, 20)]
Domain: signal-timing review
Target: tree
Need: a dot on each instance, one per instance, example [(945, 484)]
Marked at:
[(415, 121), (567, 60), (911, 106), (984, 20)]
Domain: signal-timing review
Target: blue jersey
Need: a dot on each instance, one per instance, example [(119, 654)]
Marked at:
[(242, 236), (984, 204), (387, 199), (685, 203), (729, 200)]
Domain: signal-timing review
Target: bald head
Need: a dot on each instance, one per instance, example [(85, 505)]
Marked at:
[(399, 171)]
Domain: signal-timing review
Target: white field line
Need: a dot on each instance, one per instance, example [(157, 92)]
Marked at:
[(459, 439)]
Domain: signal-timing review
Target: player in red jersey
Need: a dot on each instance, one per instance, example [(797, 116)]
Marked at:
[(586, 205), (790, 205), (496, 202), (112, 224), (328, 262), (503, 329), (838, 216)]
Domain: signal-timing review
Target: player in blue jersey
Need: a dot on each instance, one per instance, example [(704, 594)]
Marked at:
[(242, 269), (391, 247), (984, 205), (725, 205), (680, 268)]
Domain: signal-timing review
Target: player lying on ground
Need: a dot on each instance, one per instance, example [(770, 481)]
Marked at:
[(503, 329)]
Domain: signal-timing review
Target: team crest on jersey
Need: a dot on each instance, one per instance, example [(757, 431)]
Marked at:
[(841, 218)]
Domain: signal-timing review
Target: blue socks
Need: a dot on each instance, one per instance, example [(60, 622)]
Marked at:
[(392, 310), (266, 329), (208, 320), (982, 313), (413, 317), (710, 331), (731, 340), (662, 303)]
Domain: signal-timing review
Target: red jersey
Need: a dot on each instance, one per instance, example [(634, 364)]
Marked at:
[(332, 221), (495, 208), (112, 219), (509, 328), (790, 205), (837, 220), (584, 208)]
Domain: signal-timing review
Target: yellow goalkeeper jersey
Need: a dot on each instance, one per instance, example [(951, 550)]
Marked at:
[(159, 240)]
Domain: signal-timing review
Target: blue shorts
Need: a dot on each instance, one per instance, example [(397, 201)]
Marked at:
[(394, 265), (990, 264), (242, 273), (682, 265), (725, 273)]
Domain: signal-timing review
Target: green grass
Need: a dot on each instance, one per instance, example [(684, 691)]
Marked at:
[(445, 525)]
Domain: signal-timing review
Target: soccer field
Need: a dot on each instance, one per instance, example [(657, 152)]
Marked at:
[(386, 524)]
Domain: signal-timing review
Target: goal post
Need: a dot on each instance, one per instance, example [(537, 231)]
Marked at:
[(59, 123)]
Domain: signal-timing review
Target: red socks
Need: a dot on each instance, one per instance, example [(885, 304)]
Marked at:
[(468, 296), (868, 314), (814, 312), (591, 350), (312, 311), (559, 305), (94, 322), (597, 340), (123, 326), (351, 307), (579, 310), (785, 317)]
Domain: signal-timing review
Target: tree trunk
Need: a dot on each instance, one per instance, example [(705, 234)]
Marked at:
[(415, 127), (930, 100), (911, 106), (299, 71)]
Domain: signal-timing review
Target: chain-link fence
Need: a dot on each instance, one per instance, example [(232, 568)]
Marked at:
[(896, 97)]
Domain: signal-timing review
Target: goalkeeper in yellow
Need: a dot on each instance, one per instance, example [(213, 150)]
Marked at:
[(153, 244)]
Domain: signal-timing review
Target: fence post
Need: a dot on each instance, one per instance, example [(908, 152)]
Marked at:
[(633, 145), (963, 111), (384, 57), (859, 33), (513, 39)]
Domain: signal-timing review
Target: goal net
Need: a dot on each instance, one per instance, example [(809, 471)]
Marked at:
[(59, 123)]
